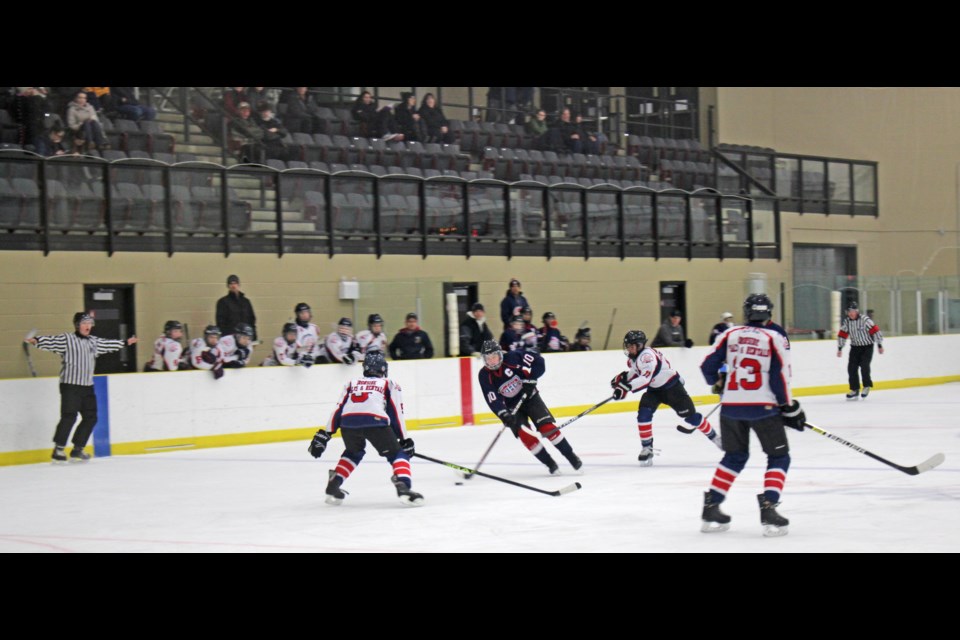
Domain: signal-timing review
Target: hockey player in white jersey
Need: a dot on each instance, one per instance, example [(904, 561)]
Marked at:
[(236, 348), (369, 409), (373, 338), (756, 397), (308, 335), (205, 352), (167, 349), (284, 348), (340, 346), (649, 370)]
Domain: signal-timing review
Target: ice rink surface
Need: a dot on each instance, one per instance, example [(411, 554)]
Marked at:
[(269, 498)]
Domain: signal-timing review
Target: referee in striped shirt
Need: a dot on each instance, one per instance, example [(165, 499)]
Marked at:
[(80, 351), (863, 332)]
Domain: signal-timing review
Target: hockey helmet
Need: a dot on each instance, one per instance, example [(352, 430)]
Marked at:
[(492, 354), (375, 364), (243, 329), (757, 308), (634, 336), (374, 318), (172, 325), (212, 330), (289, 327), (302, 306)]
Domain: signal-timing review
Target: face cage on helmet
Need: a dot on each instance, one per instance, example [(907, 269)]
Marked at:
[(206, 339), (490, 365), (626, 348)]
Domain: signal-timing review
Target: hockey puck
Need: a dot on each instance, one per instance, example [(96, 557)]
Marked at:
[(459, 484)]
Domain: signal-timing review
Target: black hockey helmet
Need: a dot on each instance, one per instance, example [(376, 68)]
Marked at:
[(526, 310), (345, 327), (516, 319), (374, 318), (243, 329), (172, 325), (289, 327), (853, 306), (301, 306), (212, 330), (374, 364), (82, 316), (634, 336), (489, 348), (757, 308), (549, 315), (583, 333)]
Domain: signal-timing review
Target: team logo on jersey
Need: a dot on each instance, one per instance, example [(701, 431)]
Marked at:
[(648, 358), (511, 387)]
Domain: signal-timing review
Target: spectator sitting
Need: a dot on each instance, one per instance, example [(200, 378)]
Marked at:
[(247, 135), (538, 128), (27, 108), (126, 104), (408, 120), (386, 127), (51, 144), (434, 122), (513, 303), (589, 141), (364, 111), (273, 131), (302, 114), (726, 321), (99, 98), (256, 95), (474, 331), (551, 340), (83, 121), (569, 134), (411, 342), (671, 333), (581, 341), (232, 99)]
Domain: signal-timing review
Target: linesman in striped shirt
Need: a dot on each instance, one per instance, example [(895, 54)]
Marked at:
[(79, 351), (863, 333)]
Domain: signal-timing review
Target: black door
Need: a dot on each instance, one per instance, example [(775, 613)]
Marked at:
[(467, 293), (673, 295), (112, 307)]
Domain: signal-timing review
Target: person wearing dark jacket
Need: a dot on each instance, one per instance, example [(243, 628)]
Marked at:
[(301, 116), (671, 333), (474, 331), (27, 109), (513, 303), (232, 99), (234, 308), (407, 117), (273, 131), (50, 143), (435, 123), (126, 103), (364, 111), (725, 323), (411, 342)]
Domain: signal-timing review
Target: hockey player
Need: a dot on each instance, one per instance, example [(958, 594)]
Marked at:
[(648, 369), (235, 348), (167, 349), (549, 337), (285, 349), (373, 338), (863, 334), (309, 344), (504, 379), (340, 346), (513, 337), (756, 397), (205, 352), (726, 321), (581, 341), (370, 409)]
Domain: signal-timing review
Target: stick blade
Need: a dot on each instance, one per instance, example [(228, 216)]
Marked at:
[(934, 461), (569, 489)]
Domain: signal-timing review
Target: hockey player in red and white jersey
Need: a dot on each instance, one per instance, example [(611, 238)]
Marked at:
[(650, 370), (373, 338), (205, 352), (756, 397), (284, 348), (308, 335), (167, 349), (340, 346), (370, 409), (236, 349)]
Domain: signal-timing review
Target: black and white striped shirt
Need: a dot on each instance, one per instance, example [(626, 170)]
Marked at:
[(79, 355), (862, 331)]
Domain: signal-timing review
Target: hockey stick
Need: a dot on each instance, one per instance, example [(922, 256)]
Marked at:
[(523, 398), (577, 417), (610, 329), (26, 351), (683, 429), (926, 465), (568, 489)]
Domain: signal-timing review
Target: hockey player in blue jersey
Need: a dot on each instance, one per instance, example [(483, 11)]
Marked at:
[(505, 378), (516, 337)]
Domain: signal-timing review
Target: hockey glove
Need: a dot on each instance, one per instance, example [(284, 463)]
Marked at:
[(793, 416), (532, 382), (209, 357), (243, 354), (406, 444), (218, 372), (619, 378), (621, 390), (688, 343), (508, 419), (306, 360), (348, 358), (319, 443), (717, 387)]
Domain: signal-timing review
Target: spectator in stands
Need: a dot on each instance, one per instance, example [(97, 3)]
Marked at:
[(27, 109), (386, 126), (60, 97), (235, 308), (256, 95), (301, 116), (726, 321), (99, 98), (232, 99), (537, 127), (495, 101), (247, 135), (364, 111), (126, 103), (411, 342), (569, 134), (408, 119), (273, 132), (83, 121), (590, 141), (434, 122), (671, 333), (474, 331), (51, 143), (513, 303)]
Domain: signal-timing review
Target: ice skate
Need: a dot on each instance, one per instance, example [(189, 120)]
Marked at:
[(335, 494), (774, 524), (574, 461), (552, 468), (713, 520), (58, 456), (408, 497), (865, 392), (646, 456), (853, 395), (78, 455)]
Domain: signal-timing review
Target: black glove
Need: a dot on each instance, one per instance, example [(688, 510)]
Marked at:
[(620, 377), (319, 443), (209, 357), (218, 372), (531, 382), (407, 445), (348, 358), (688, 343), (793, 415), (243, 354), (509, 419), (306, 360), (620, 391), (717, 387)]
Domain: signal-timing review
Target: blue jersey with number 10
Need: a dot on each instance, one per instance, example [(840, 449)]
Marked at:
[(502, 387)]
